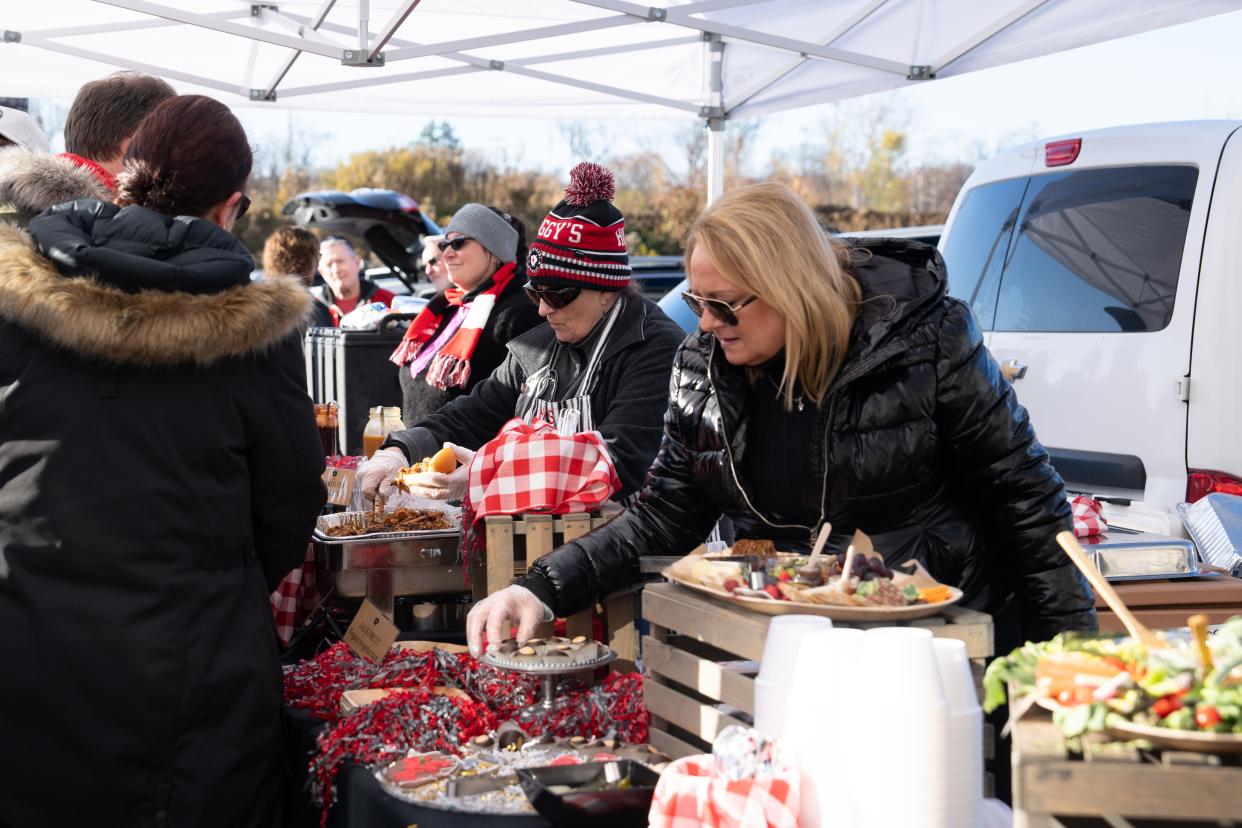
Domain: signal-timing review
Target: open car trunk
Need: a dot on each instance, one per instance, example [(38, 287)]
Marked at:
[(391, 223)]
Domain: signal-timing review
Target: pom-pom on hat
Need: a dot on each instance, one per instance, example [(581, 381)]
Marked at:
[(581, 243)]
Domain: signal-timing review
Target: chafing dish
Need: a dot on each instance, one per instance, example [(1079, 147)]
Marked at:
[(1122, 556), (383, 565)]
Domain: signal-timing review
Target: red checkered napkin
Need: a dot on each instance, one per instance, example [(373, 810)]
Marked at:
[(689, 794), (290, 593), (1088, 516), (529, 468)]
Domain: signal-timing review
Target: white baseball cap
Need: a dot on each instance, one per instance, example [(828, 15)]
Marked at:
[(18, 127)]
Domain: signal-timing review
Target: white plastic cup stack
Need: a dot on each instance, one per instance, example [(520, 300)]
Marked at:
[(823, 700), (965, 747), (897, 774), (780, 653)]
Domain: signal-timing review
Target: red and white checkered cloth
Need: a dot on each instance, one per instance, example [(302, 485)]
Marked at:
[(291, 593), (1088, 516), (529, 468), (690, 794)]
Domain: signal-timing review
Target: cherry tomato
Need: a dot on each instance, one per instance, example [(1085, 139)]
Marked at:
[(1206, 716), (784, 576), (1166, 705)]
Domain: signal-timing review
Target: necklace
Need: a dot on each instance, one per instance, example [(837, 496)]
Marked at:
[(799, 399)]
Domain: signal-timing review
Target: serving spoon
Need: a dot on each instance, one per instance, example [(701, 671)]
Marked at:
[(1137, 629)]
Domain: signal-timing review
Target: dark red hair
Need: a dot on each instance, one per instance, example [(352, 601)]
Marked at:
[(187, 156)]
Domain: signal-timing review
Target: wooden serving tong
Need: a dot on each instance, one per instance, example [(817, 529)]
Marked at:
[(1137, 629)]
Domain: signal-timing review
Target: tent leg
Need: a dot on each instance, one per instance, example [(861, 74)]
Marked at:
[(715, 158), (715, 118)]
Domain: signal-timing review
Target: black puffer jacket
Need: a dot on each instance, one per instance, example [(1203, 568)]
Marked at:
[(159, 471), (627, 401), (924, 445)]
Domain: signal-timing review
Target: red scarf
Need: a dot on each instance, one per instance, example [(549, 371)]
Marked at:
[(450, 368), (103, 175)]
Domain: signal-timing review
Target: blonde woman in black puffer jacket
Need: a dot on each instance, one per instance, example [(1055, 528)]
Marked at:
[(840, 384)]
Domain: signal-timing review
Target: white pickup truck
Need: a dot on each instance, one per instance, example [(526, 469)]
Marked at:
[(1105, 269)]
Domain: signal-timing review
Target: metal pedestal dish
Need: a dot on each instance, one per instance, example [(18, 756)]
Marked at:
[(548, 674)]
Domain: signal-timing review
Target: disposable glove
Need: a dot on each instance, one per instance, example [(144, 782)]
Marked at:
[(498, 611), (379, 474), (440, 486)]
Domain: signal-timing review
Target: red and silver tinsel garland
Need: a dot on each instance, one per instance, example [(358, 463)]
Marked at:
[(417, 719)]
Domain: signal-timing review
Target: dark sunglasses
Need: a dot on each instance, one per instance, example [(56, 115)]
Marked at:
[(457, 244), (431, 262), (723, 311), (556, 298), (243, 205)]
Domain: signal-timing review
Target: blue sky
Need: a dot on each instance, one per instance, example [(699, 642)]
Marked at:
[(1179, 73)]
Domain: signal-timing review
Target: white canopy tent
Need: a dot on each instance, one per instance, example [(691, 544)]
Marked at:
[(705, 59)]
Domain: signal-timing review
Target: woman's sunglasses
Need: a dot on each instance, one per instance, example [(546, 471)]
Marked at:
[(556, 298), (243, 204), (457, 244), (723, 311)]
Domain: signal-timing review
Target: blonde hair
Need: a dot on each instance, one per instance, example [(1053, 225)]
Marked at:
[(765, 240)]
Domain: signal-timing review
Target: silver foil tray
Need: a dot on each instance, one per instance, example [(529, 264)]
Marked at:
[(1145, 557), (331, 521)]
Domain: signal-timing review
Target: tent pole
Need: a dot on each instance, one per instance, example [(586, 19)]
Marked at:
[(714, 117), (715, 159)]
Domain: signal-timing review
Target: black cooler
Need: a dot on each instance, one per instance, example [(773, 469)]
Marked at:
[(352, 368)]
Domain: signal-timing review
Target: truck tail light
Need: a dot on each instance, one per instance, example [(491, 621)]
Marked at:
[(1060, 153), (1202, 483)]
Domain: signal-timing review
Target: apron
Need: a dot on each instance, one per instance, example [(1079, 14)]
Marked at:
[(573, 415)]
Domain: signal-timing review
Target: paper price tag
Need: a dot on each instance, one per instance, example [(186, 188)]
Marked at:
[(370, 634), (340, 483)]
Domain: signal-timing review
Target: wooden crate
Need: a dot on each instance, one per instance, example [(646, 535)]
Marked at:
[(1115, 785), (693, 658), (515, 542)]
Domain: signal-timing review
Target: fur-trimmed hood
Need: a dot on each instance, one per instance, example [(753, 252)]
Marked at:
[(31, 182), (149, 328)]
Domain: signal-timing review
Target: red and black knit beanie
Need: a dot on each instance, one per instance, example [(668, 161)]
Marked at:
[(582, 241)]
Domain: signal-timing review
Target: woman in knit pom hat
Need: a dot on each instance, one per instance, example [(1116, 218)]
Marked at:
[(459, 338), (601, 363)]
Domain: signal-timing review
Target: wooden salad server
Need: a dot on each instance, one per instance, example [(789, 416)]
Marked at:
[(1104, 589)]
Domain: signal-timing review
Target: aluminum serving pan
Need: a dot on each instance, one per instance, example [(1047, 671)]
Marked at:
[(390, 563), (1144, 557), (327, 522), (385, 550)]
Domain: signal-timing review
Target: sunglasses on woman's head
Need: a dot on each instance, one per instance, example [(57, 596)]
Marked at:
[(457, 244), (720, 309), (556, 298)]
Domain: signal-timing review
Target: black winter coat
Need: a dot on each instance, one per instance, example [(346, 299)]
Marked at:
[(512, 315), (159, 472), (628, 401), (921, 443)]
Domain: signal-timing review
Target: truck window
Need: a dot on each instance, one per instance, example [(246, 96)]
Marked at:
[(1098, 250), (975, 250)]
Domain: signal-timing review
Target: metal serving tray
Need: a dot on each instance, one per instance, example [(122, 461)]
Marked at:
[(1144, 557), (382, 565), (340, 518)]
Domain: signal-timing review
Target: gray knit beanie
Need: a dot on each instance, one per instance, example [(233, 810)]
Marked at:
[(488, 229)]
